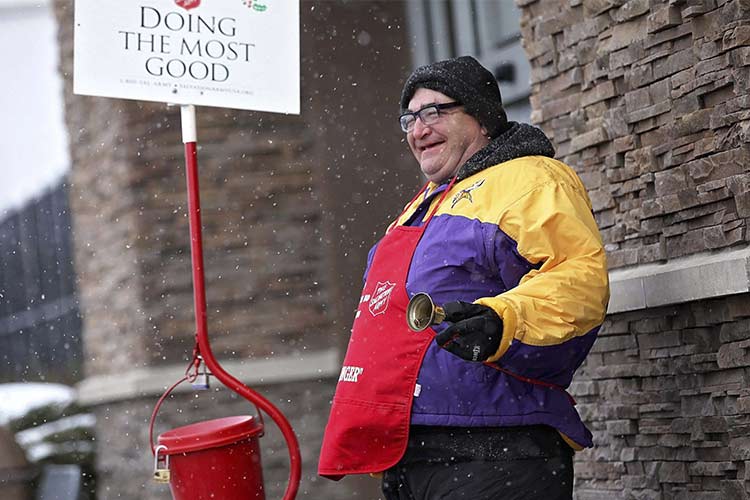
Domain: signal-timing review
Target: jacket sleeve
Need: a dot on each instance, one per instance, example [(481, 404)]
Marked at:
[(551, 317)]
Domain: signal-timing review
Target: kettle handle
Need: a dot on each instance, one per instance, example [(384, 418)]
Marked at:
[(164, 396), (156, 410)]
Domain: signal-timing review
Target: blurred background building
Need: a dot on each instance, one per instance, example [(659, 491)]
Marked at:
[(40, 324), (40, 327), (648, 100)]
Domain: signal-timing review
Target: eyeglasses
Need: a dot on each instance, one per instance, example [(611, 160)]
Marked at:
[(428, 114)]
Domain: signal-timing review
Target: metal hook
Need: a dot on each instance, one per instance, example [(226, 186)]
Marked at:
[(200, 379)]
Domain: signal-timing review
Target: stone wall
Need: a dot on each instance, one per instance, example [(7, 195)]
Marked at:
[(649, 101), (665, 393), (290, 207)]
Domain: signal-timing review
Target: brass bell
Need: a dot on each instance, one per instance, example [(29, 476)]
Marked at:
[(422, 313), (161, 475)]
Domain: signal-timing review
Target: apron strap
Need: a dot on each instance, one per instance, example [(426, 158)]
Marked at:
[(533, 381), (442, 198), (424, 188), (419, 193)]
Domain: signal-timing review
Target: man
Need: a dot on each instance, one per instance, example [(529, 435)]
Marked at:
[(503, 236)]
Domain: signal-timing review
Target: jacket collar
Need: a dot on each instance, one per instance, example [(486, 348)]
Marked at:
[(520, 139)]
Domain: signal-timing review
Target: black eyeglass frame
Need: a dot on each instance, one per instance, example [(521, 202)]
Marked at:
[(417, 114)]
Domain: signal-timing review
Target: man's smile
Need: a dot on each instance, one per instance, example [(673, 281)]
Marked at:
[(431, 147)]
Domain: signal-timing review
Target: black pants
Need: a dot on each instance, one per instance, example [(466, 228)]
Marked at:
[(514, 463)]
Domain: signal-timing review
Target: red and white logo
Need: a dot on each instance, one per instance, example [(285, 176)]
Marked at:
[(380, 297), (188, 4)]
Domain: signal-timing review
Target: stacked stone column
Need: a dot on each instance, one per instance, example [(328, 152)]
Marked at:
[(649, 101)]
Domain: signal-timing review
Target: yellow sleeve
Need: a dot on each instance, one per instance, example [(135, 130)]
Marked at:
[(567, 295)]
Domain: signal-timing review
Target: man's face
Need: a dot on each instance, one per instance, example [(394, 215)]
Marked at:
[(442, 147)]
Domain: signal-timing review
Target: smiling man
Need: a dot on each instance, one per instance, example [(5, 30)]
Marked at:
[(441, 146), (502, 235)]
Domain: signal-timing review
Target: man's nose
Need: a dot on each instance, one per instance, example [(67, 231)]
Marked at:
[(420, 129)]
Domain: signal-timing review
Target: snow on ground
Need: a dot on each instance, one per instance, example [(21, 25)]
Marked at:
[(41, 432), (43, 450), (17, 399)]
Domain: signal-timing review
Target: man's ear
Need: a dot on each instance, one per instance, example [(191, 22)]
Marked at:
[(484, 132)]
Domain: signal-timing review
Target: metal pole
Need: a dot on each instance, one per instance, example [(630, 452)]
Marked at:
[(189, 137)]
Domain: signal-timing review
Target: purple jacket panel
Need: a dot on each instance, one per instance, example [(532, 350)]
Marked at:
[(454, 392), (455, 260), (554, 364)]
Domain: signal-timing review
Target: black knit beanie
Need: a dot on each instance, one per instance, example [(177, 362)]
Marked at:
[(466, 81)]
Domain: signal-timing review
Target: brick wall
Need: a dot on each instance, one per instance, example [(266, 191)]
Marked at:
[(649, 101), (290, 206)]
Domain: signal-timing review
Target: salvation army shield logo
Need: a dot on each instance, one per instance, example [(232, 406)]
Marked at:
[(380, 297), (188, 4)]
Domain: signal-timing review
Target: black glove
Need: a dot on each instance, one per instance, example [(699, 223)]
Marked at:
[(476, 331)]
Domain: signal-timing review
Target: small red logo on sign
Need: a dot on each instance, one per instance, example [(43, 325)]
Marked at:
[(188, 4), (380, 297)]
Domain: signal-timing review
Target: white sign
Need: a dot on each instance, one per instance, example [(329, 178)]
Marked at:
[(240, 54)]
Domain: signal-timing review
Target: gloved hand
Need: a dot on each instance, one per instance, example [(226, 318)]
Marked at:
[(476, 331)]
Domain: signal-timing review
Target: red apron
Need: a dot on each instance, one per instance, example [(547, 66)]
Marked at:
[(368, 428)]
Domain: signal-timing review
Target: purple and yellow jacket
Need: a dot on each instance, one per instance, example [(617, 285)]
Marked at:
[(515, 233)]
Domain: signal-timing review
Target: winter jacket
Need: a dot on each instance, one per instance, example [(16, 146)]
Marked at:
[(515, 233)]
